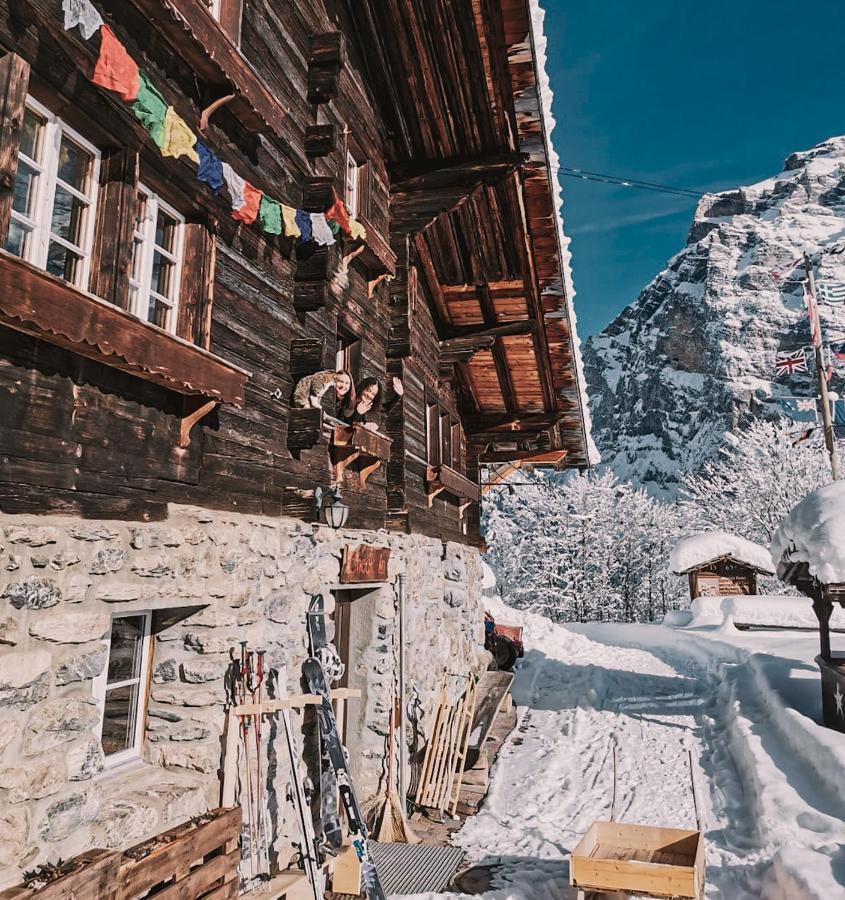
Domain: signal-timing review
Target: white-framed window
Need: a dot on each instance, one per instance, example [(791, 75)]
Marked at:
[(122, 686), (214, 8), (156, 274), (55, 195), (353, 178)]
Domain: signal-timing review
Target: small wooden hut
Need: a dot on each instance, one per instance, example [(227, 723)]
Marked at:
[(719, 564), (810, 548)]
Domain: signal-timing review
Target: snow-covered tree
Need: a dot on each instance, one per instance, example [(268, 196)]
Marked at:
[(582, 548), (760, 475)]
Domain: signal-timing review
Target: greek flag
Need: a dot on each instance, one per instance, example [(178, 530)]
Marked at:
[(799, 409), (832, 292)]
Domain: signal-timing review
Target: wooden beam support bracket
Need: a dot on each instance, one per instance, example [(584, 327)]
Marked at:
[(212, 108), (191, 419)]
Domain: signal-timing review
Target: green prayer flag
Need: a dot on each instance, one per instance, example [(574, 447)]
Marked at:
[(270, 215), (334, 226), (150, 109)]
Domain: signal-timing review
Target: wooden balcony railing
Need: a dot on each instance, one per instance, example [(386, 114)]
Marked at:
[(38, 304), (354, 443), (440, 479)]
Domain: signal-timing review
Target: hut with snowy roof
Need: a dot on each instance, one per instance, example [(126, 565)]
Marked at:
[(720, 564), (809, 549)]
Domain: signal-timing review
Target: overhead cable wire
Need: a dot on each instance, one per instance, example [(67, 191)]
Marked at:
[(618, 180)]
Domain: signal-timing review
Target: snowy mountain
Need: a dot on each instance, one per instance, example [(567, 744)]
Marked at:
[(693, 358)]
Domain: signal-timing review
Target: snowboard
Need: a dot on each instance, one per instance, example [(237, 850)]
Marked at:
[(315, 678)]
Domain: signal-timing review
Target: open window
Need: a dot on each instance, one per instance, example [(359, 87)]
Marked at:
[(348, 355), (157, 253), (122, 688), (446, 458), (54, 197)]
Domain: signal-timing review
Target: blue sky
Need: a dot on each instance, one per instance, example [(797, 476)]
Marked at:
[(703, 95)]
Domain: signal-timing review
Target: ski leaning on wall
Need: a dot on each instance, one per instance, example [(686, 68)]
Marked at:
[(309, 850), (315, 676)]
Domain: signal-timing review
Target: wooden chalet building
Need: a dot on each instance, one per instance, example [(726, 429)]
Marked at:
[(159, 494)]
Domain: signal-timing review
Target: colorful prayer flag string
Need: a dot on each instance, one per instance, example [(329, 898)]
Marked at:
[(116, 71)]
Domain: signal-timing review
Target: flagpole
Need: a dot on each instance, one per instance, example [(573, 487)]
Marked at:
[(816, 328)]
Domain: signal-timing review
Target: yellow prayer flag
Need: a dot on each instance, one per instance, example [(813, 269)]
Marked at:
[(179, 140), (289, 218), (357, 230)]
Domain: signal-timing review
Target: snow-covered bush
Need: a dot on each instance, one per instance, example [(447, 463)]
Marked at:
[(582, 548)]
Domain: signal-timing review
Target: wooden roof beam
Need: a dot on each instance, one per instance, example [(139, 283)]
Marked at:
[(428, 174), (481, 333), (536, 458)]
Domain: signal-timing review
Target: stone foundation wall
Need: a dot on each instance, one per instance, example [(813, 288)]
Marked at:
[(233, 578)]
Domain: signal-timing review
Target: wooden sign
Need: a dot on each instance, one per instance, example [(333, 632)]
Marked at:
[(364, 563)]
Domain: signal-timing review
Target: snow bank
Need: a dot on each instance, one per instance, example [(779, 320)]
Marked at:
[(777, 611), (677, 618), (814, 532), (706, 611), (701, 548)]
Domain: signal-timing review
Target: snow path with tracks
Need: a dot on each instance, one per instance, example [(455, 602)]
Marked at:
[(766, 781)]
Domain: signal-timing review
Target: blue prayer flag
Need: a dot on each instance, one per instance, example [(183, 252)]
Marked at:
[(303, 219), (210, 168)]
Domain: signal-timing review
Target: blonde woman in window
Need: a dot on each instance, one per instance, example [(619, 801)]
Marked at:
[(311, 389)]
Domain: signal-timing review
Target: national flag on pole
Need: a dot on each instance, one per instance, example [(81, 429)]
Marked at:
[(832, 292), (788, 362), (813, 316), (800, 409)]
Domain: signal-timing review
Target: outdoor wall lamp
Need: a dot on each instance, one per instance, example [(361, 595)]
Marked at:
[(334, 512)]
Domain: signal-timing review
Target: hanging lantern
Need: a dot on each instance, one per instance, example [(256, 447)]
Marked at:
[(335, 511)]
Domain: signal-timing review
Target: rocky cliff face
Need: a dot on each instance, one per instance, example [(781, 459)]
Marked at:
[(694, 356)]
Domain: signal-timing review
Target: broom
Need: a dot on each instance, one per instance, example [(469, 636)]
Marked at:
[(391, 826)]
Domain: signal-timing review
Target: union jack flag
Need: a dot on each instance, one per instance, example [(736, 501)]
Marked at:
[(789, 361)]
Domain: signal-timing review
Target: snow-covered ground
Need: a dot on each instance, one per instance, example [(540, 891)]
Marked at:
[(746, 704)]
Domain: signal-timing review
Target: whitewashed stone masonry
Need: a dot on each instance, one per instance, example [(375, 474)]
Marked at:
[(250, 578)]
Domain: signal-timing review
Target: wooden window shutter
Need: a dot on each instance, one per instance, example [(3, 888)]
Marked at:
[(231, 18), (117, 206), (14, 83), (197, 293)]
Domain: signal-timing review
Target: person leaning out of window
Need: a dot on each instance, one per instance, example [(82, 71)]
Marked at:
[(368, 403), (310, 391)]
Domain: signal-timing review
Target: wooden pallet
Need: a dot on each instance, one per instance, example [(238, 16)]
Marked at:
[(639, 859), (191, 861), (94, 878)]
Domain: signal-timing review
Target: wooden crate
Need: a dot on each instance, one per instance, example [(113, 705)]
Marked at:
[(94, 878), (186, 863), (640, 859)]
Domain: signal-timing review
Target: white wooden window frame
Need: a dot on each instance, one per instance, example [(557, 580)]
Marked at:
[(214, 8), (141, 289), (353, 185), (47, 181), (101, 687)]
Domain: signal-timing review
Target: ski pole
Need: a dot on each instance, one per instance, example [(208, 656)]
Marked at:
[(245, 739), (262, 816)]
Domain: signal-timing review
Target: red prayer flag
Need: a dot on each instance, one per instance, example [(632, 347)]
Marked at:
[(115, 69), (252, 200), (338, 212)]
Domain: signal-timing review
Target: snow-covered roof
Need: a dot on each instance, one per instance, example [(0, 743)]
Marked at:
[(692, 552), (814, 532), (538, 15)]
